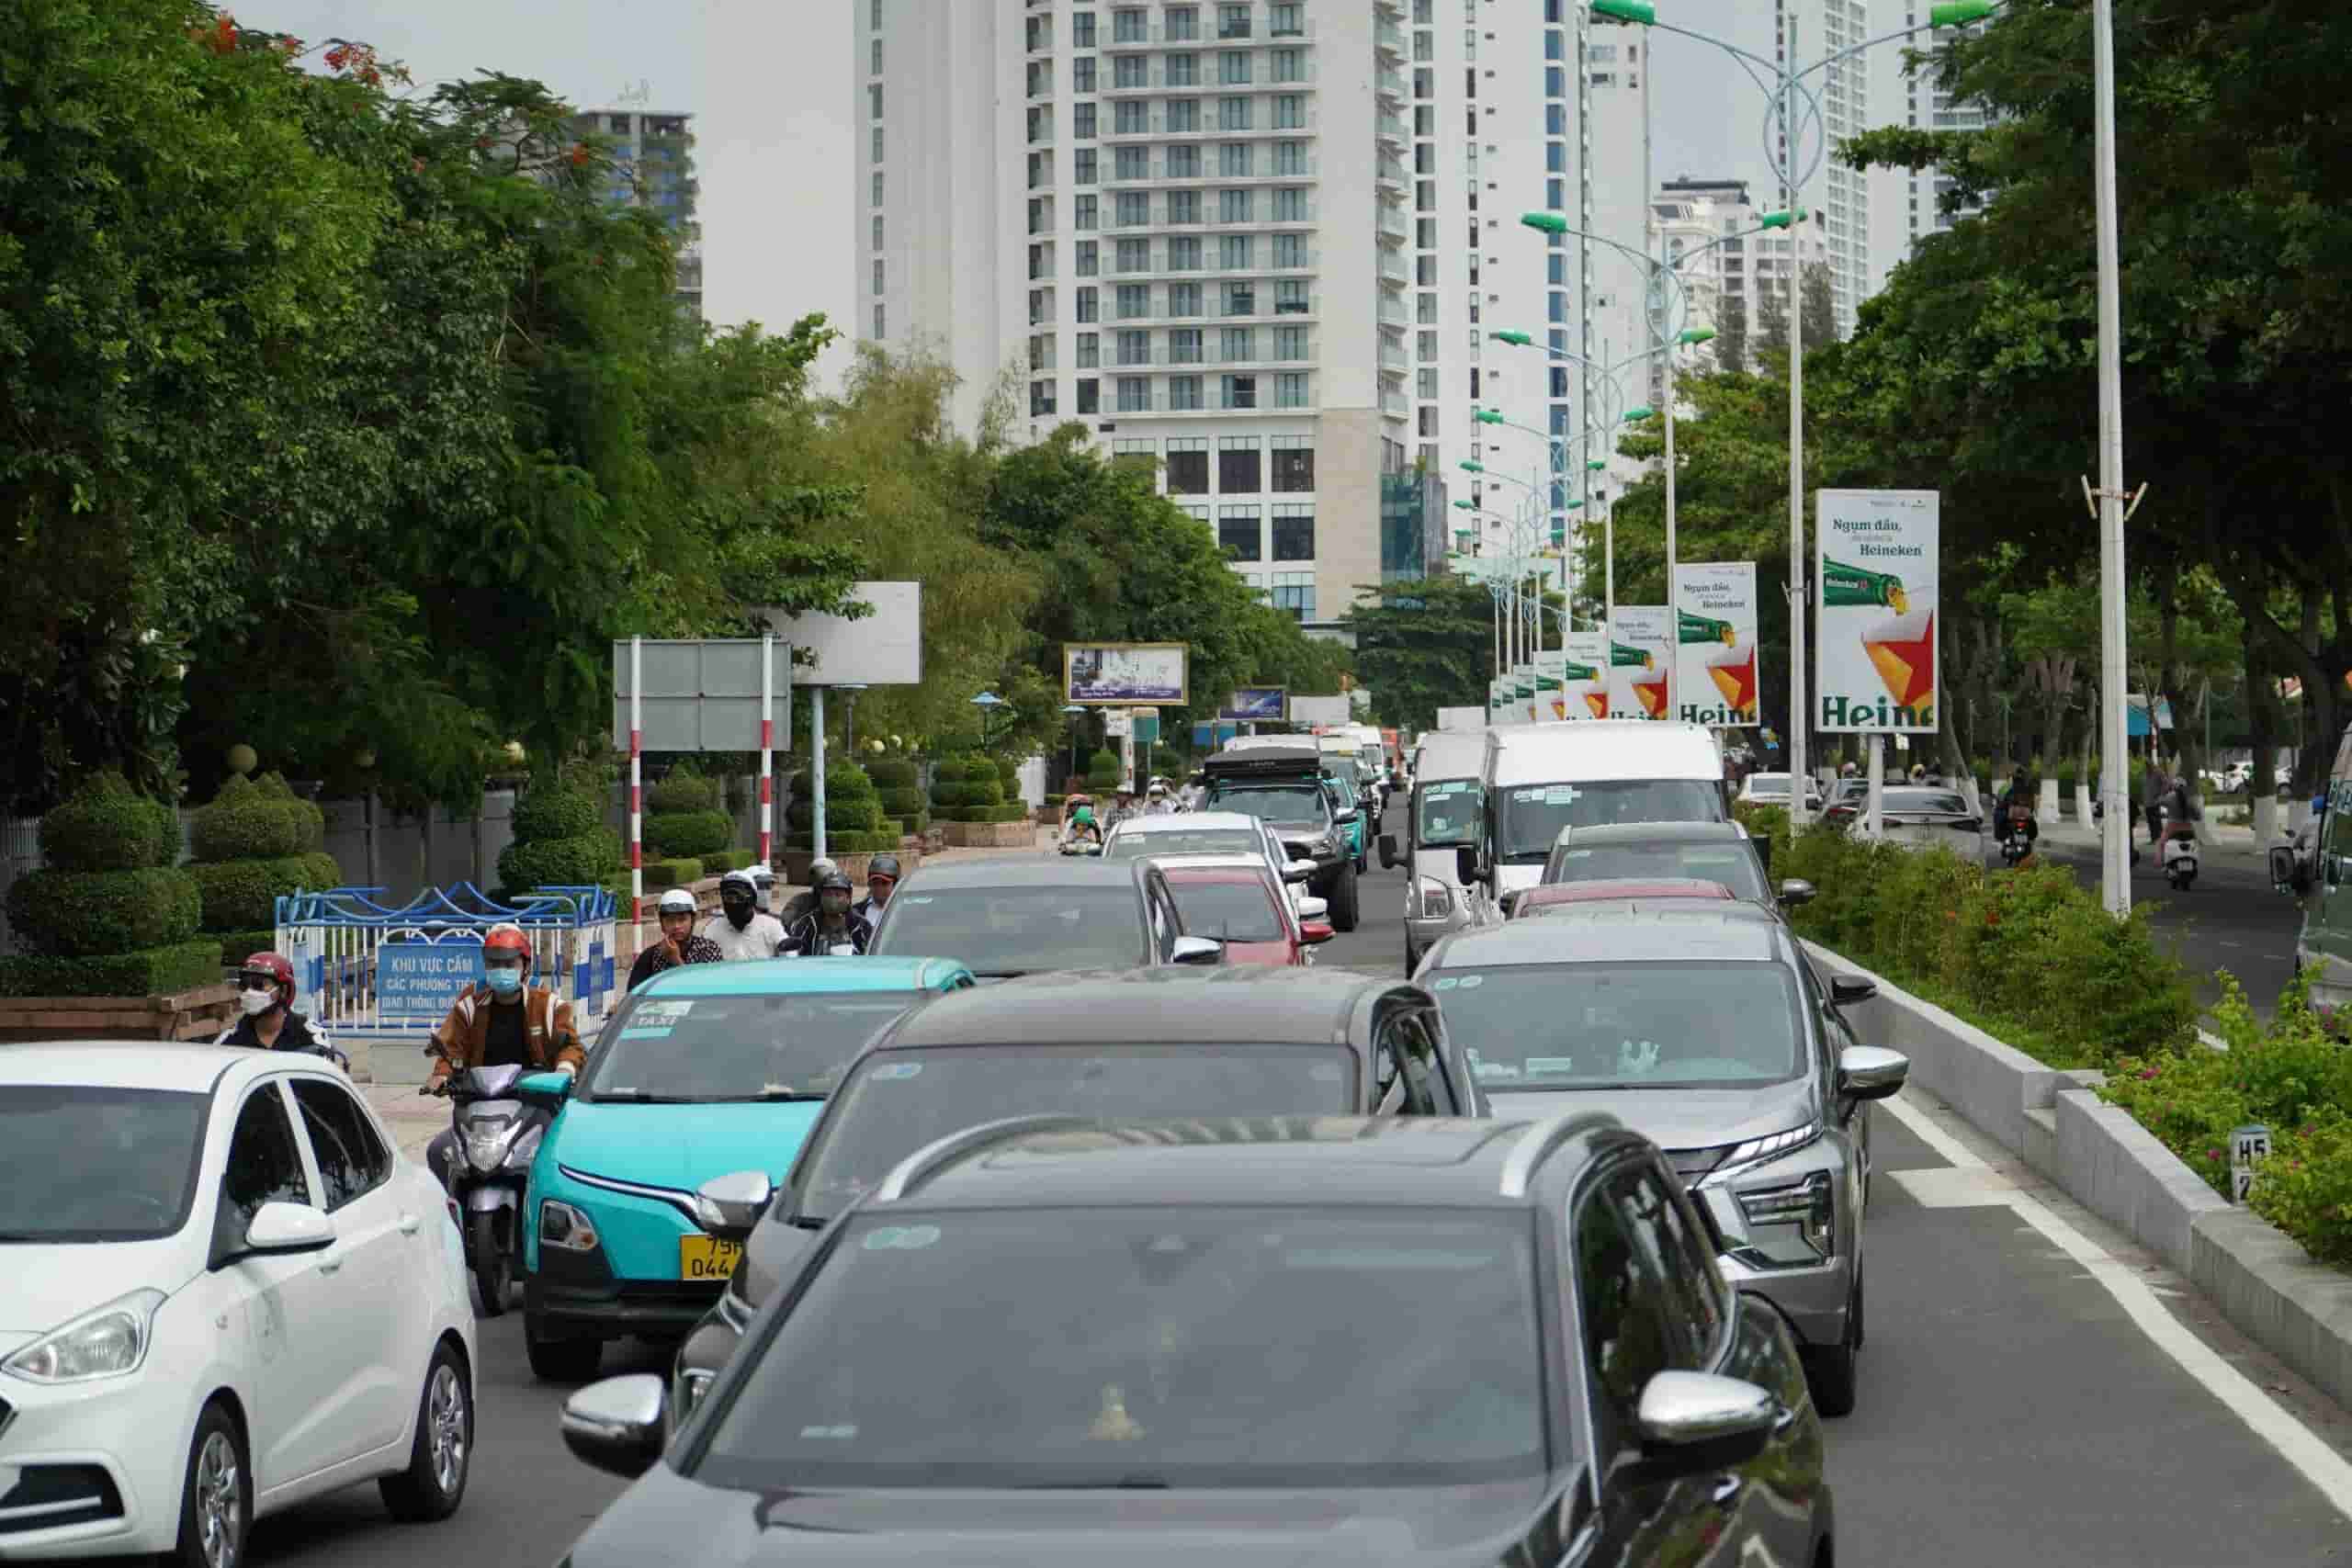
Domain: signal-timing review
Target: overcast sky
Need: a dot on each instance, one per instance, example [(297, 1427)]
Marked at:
[(771, 84)]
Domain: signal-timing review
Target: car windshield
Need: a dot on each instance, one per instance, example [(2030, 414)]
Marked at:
[(1172, 1345), (1729, 862), (895, 1101), (79, 1164), (1017, 930), (1645, 1026), (1186, 842), (1449, 812), (706, 1049), (1934, 800), (1232, 911), (1533, 815), (1274, 802), (1768, 786)]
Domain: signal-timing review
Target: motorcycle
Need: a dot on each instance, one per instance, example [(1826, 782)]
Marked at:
[(1082, 847), (497, 1138), (2017, 842), (2177, 853)]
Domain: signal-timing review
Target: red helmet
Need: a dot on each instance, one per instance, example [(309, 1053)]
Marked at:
[(507, 938), (277, 964)]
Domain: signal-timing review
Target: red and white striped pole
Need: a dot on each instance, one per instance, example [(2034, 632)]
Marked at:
[(767, 751), (636, 784)]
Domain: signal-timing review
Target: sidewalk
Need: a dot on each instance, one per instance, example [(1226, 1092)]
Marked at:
[(390, 1069)]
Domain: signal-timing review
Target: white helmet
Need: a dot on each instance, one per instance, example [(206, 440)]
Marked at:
[(678, 901)]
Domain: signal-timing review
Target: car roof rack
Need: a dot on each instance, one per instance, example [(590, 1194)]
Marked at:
[(936, 1155), (1540, 1140)]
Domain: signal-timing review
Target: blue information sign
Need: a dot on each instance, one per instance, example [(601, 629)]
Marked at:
[(421, 979)]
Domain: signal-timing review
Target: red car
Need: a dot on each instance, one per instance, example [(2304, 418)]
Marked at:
[(1553, 894), (1236, 900)]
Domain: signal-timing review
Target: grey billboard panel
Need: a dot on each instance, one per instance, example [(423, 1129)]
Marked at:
[(701, 695)]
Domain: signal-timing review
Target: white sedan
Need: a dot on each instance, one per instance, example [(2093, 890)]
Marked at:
[(222, 1292), (1209, 833)]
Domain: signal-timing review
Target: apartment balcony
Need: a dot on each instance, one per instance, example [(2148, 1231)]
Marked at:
[(1392, 314), (1390, 173), (1394, 361), (1391, 128), (1211, 267), (1394, 230), (1259, 308), (1392, 271), (1395, 404), (1147, 37), (1159, 127), (1211, 403), (1389, 84), (1389, 37), (1156, 172), (1260, 218), (1211, 357)]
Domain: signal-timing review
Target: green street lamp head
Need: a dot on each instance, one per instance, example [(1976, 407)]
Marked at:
[(1489, 416), (1474, 467), (1596, 465), (1635, 416), (1698, 334), (1550, 222), (1781, 220), (1517, 340), (1464, 506), (1953, 13), (1638, 13)]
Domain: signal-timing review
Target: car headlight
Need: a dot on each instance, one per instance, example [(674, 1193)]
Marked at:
[(486, 1141), (1771, 1146), (1437, 900), (563, 1225), (527, 1147), (1807, 1208), (105, 1342)]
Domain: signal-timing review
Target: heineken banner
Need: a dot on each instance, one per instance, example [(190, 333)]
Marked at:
[(1640, 659), (1876, 664), (1714, 656), (1586, 695)]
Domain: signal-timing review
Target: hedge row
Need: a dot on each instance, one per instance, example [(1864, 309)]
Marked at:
[(1015, 812), (87, 914), (678, 873), (242, 895), (238, 946), (150, 972)]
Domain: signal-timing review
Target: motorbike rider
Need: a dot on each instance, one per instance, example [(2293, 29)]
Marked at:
[(1083, 828), (881, 881), (2024, 790), (2154, 788), (806, 902), (265, 993), (678, 945), (740, 930), (1157, 803), (2180, 811), (833, 925), (502, 1020)]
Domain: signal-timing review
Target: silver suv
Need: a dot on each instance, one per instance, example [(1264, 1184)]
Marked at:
[(1706, 1029)]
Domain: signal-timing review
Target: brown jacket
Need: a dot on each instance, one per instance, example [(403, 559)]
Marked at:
[(547, 1029)]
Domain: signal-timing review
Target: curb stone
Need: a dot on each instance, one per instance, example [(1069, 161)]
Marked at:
[(2261, 1279)]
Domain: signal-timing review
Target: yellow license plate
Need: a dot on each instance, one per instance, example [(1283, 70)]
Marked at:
[(706, 1258)]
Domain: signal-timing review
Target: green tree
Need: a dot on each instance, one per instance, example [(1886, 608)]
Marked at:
[(1423, 645)]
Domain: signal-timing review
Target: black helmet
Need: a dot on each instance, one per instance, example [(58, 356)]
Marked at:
[(882, 865), (834, 881)]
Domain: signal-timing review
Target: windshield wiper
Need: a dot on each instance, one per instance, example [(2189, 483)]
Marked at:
[(638, 1097), (1137, 1483), (770, 1097)]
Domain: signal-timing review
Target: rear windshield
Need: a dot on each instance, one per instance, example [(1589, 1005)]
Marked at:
[(1185, 841), (1271, 801), (1229, 911), (1728, 861), (1533, 815), (1015, 931), (1641, 1025)]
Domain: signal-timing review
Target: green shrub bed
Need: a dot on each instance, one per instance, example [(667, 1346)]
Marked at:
[(676, 871), (238, 946), (680, 833), (242, 895), (561, 842), (150, 972), (729, 859), (107, 827), (89, 914)]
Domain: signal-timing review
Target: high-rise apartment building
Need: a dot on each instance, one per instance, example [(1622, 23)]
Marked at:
[(1189, 225), (654, 168), (1842, 196), (1747, 276), (1927, 107)]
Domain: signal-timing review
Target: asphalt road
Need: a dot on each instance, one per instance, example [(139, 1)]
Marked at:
[(2034, 1390)]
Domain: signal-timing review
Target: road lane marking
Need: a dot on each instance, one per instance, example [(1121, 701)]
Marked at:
[(2326, 1469), (1955, 1185)]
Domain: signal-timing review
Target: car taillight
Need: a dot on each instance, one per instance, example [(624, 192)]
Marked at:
[(1437, 900)]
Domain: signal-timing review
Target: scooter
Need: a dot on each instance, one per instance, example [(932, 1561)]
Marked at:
[(497, 1138), (2017, 842), (2177, 852), (1082, 847)]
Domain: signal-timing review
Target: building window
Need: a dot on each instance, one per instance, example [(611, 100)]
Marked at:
[(1232, 21), (875, 228), (1128, 26), (1236, 461), (1082, 167), (1090, 347), (1135, 394), (1184, 24), (1290, 205), (1040, 32), (1087, 211), (1041, 78), (1133, 255), (1240, 299), (1135, 347), (1134, 302), (877, 276), (1081, 75), (1425, 310), (1290, 342), (1290, 390), (1127, 70), (1128, 117), (877, 323), (1290, 158), (1086, 310), (1233, 205), (874, 101), (1290, 112), (1188, 456), (1232, 114), (1184, 346), (1238, 346), (1081, 121), (1293, 465), (1289, 65), (1130, 210), (1233, 160), (1183, 207), (1089, 258), (1081, 29), (1183, 162), (1041, 398), (1041, 214), (1240, 392), (1041, 124), (1240, 531), (1233, 68), (1090, 395), (878, 188), (1234, 253), (1184, 300), (1041, 262), (1289, 296), (874, 62), (1426, 382), (1290, 250), (1294, 532), (877, 138), (1295, 591), (1184, 254), (1285, 20)]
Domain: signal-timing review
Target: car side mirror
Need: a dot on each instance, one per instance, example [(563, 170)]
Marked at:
[(1349, 816), (618, 1426), (1794, 891), (1465, 864), (1871, 1072), (1844, 988), (1298, 871), (1388, 851), (1196, 950), (546, 1090), (279, 1228), (1313, 908), (2287, 872), (730, 1206), (1314, 933), (1692, 1423), (1510, 902)]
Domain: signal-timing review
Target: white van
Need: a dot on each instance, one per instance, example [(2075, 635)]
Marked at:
[(1443, 813), (1541, 778)]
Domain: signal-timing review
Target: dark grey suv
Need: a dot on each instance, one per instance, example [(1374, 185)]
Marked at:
[(1307, 1340)]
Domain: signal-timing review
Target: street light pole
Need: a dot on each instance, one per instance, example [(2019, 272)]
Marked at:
[(2115, 879), (1797, 605)]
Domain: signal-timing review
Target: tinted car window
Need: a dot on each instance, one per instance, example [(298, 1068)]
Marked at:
[(1533, 815), (1729, 862), (1622, 1297), (895, 1101), (1272, 803), (1645, 1026), (1671, 1240), (263, 1165), (1014, 930), (352, 1159), (1173, 1345), (81, 1164), (1189, 842), (1448, 812), (708, 1049), (1235, 912)]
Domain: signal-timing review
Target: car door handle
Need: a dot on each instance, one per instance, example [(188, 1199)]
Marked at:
[(408, 1224), (329, 1264)]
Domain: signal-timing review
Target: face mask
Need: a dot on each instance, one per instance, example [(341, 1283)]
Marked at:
[(506, 980), (738, 911), (257, 1002)]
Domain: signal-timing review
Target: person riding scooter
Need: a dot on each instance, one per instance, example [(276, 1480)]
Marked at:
[(1082, 829), (739, 928), (2016, 807), (678, 945), (265, 993), (503, 1021), (834, 931)]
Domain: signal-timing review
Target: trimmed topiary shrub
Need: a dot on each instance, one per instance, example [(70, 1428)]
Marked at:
[(256, 819), (893, 774), (150, 972), (860, 843), (555, 814), (107, 826), (238, 946), (696, 832), (729, 859), (89, 914), (854, 814), (242, 895), (560, 840), (677, 872), (904, 802), (683, 791)]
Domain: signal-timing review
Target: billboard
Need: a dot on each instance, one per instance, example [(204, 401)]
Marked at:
[(1875, 661), (1587, 692), (701, 695), (1641, 658), (1462, 718), (1124, 673), (1310, 711), (1714, 653), (884, 648), (1256, 704)]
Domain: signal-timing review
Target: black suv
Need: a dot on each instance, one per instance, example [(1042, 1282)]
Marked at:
[(1468, 1342), (1283, 786)]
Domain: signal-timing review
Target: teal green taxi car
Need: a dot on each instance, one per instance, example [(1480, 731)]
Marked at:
[(705, 1069), (1342, 797)]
